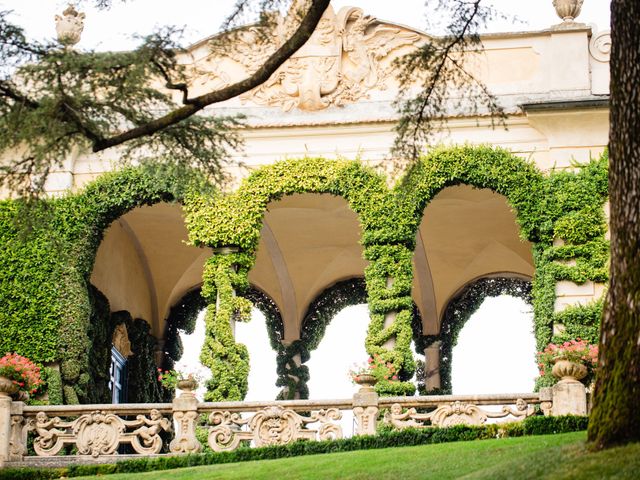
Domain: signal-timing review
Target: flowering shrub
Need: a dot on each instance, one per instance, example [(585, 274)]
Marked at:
[(375, 366), (170, 378), (21, 371), (577, 350)]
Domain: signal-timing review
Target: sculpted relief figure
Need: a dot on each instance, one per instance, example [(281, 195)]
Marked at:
[(338, 65)]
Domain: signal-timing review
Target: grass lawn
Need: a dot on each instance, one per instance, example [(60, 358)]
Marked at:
[(561, 456)]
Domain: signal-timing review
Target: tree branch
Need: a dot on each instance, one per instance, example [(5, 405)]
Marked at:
[(292, 45)]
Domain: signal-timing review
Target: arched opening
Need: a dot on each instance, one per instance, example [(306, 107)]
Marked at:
[(142, 268), (308, 241), (495, 349), (465, 234)]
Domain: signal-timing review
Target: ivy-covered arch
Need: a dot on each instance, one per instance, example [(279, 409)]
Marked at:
[(560, 213), (235, 221), (47, 303)]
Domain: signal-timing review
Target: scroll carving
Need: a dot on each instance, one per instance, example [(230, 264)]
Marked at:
[(454, 413), (98, 433), (600, 46), (270, 426)]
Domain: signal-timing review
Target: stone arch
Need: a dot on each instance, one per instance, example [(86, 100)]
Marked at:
[(88, 217), (238, 221)]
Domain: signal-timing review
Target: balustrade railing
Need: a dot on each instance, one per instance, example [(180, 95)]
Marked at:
[(59, 434)]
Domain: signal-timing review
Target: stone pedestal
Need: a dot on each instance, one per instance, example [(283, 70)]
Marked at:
[(365, 411), (185, 416), (569, 398)]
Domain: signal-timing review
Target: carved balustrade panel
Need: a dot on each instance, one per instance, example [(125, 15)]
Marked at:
[(96, 433), (455, 413), (272, 425)]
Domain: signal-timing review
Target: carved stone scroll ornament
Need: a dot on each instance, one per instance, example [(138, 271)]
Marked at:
[(600, 46), (270, 426), (338, 65), (98, 433), (455, 413)]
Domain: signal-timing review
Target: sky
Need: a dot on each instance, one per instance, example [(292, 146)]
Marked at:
[(495, 350), (113, 29)]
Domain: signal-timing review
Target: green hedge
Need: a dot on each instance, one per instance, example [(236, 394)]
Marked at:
[(531, 426)]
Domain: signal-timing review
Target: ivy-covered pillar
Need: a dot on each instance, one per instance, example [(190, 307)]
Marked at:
[(389, 278), (224, 274)]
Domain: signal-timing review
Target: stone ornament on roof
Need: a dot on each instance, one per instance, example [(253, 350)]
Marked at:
[(69, 26), (339, 64), (568, 10)]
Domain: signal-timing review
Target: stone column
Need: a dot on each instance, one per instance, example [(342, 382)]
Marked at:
[(5, 426), (389, 318), (185, 416), (432, 379), (365, 411)]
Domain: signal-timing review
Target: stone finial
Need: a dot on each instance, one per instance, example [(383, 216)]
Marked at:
[(69, 26), (568, 10)]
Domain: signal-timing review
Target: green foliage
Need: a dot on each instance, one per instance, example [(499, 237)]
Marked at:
[(388, 439), (49, 316), (47, 250), (54, 385), (54, 101), (236, 220), (565, 202)]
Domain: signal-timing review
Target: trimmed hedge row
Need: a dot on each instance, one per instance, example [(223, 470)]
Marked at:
[(537, 425)]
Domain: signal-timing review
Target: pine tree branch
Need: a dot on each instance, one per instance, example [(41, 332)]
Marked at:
[(292, 45)]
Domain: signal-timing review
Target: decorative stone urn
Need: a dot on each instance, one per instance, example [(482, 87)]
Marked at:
[(7, 387), (568, 371), (69, 26), (366, 382), (187, 385), (568, 10)]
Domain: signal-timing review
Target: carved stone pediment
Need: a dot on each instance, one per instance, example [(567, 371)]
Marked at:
[(345, 58)]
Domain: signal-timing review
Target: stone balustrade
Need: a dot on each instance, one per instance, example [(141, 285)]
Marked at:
[(62, 434)]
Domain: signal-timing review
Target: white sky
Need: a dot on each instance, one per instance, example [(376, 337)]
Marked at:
[(497, 332), (494, 354), (112, 29)]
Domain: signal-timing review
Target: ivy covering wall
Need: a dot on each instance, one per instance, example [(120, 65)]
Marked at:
[(565, 205), (47, 251), (49, 314)]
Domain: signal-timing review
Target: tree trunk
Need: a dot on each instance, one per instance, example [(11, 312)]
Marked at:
[(615, 418)]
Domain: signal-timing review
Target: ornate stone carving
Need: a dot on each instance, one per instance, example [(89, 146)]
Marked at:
[(18, 439), (185, 440), (69, 26), (98, 433), (600, 46), (338, 65), (366, 419), (270, 426), (121, 341), (454, 413)]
